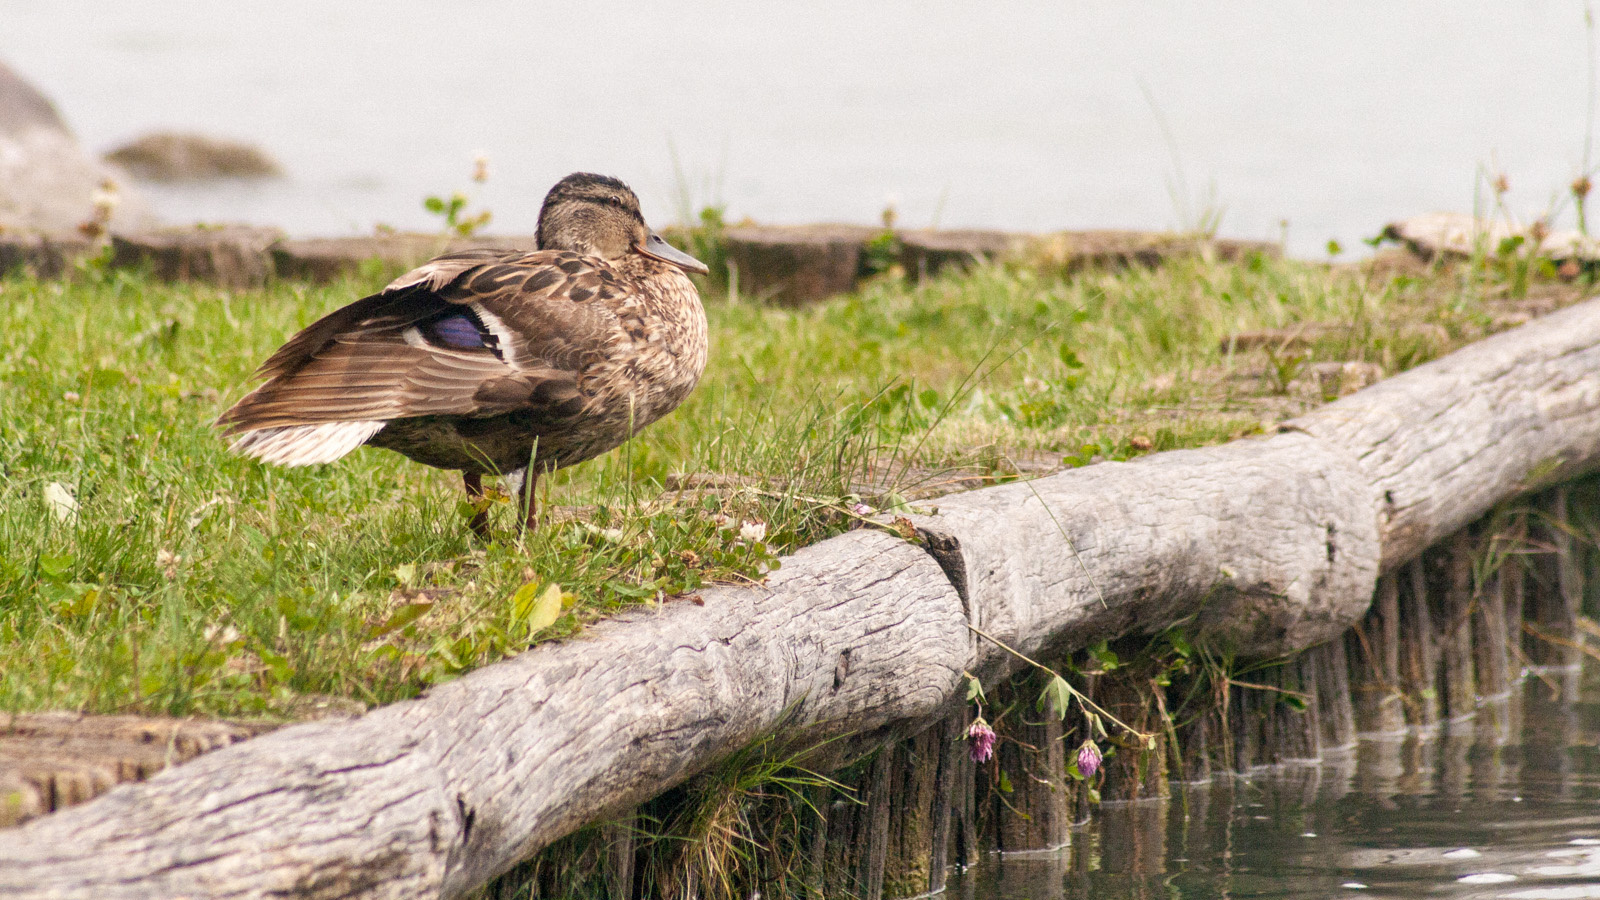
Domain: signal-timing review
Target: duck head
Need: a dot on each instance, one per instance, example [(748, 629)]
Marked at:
[(599, 216)]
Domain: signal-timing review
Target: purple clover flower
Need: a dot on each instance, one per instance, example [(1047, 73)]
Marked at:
[(981, 740), (1088, 759)]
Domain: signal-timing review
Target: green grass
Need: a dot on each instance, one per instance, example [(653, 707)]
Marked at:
[(189, 581)]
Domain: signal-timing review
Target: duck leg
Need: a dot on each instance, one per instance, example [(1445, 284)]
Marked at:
[(530, 477), (480, 519)]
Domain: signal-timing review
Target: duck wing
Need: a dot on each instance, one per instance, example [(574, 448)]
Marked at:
[(478, 333)]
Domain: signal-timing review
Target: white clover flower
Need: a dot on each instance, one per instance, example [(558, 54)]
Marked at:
[(61, 502), (753, 532)]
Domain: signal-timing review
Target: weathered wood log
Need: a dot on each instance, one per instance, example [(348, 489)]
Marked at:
[(1201, 744), (325, 259), (1328, 670), (918, 804), (1269, 545), (1262, 546), (1419, 650), (1073, 251), (42, 255), (1491, 642), (235, 256), (963, 845), (1374, 644), (50, 761), (1450, 574), (1443, 443), (797, 264), (954, 778), (1035, 813), (924, 253), (1136, 771), (1558, 586)]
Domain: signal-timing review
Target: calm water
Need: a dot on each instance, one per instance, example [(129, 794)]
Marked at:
[(1331, 118), (1504, 807)]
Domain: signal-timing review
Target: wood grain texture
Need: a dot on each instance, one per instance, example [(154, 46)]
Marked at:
[(1446, 441), (1267, 545)]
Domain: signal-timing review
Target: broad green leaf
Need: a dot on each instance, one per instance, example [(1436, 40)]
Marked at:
[(1057, 697)]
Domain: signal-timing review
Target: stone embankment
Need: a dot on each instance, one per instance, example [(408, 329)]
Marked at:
[(787, 265)]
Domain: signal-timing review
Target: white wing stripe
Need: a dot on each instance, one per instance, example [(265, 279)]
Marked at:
[(304, 445), (502, 334)]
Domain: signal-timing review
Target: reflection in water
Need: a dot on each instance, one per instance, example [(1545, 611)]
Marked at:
[(1506, 804)]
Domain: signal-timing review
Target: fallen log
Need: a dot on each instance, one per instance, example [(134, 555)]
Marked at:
[(1441, 444), (1265, 545)]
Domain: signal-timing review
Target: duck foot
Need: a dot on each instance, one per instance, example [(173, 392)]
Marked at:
[(479, 523)]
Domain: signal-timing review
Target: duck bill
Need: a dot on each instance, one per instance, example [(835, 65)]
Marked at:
[(656, 248)]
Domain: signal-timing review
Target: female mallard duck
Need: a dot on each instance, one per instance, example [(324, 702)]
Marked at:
[(491, 361)]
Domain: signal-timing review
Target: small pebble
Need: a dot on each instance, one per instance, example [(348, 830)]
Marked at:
[(1463, 853), (1354, 885)]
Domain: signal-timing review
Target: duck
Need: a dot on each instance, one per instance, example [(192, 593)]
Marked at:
[(495, 362)]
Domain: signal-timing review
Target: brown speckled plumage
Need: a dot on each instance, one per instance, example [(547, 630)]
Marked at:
[(494, 361)]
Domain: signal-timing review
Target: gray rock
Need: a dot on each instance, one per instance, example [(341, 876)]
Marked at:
[(48, 184), (178, 156), (234, 256), (1455, 236)]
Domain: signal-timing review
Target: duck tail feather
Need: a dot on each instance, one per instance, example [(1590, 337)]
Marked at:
[(304, 445)]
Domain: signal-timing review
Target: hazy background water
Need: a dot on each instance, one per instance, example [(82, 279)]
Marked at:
[(1330, 117)]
